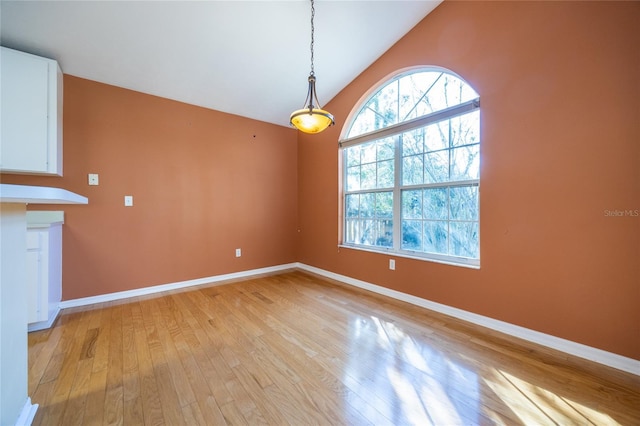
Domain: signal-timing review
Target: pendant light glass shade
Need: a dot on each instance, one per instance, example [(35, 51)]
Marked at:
[(313, 121), (312, 118)]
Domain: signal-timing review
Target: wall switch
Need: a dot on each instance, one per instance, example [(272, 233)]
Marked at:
[(93, 179), (392, 264), (238, 252), (128, 200)]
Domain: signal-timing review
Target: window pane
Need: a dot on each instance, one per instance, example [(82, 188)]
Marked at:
[(435, 237), (384, 233), (435, 99), (351, 231), (367, 204), (463, 203), (352, 205), (412, 88), (385, 174), (364, 123), (464, 239), (370, 232), (412, 204), (384, 204), (437, 136), (386, 149), (368, 152), (456, 91), (465, 129), (366, 232), (465, 163), (412, 142), (352, 155), (368, 176), (412, 169), (384, 108), (412, 235), (436, 167), (353, 178), (435, 203)]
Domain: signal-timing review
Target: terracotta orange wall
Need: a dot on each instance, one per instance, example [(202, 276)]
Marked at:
[(559, 86), (203, 182)]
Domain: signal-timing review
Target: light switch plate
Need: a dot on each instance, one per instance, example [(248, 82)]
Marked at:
[(128, 200), (93, 179)]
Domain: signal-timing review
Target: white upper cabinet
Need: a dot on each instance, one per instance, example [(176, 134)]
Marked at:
[(31, 107)]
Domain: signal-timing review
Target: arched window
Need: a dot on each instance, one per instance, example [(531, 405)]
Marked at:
[(412, 169)]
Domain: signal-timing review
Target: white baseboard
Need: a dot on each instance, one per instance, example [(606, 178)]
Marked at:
[(37, 326), (27, 414), (600, 356), (172, 286)]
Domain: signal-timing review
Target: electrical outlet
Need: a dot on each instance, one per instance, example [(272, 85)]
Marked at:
[(128, 200), (392, 264), (238, 252), (93, 179)]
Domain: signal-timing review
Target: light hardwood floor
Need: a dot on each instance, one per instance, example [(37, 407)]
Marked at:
[(296, 349)]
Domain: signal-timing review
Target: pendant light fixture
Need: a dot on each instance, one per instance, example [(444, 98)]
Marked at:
[(312, 118)]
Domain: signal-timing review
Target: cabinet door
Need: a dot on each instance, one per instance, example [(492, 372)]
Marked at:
[(24, 144), (33, 286)]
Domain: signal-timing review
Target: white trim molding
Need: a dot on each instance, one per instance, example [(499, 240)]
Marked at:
[(600, 356), (173, 286), (43, 325), (27, 414)]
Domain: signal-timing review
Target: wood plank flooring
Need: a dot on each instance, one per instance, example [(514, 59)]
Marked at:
[(297, 349)]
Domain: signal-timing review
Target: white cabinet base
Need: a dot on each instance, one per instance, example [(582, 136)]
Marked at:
[(14, 401), (44, 268)]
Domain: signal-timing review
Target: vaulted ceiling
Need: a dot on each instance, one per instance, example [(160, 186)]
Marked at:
[(250, 58)]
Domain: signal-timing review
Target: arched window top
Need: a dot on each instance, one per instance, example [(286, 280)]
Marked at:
[(408, 96), (411, 169)]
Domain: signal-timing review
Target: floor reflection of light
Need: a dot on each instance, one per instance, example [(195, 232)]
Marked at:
[(407, 380), (561, 410), (408, 399), (593, 415), (535, 405), (393, 338), (516, 401), (440, 407), (382, 337)]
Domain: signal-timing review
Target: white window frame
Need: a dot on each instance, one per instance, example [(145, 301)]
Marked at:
[(396, 130)]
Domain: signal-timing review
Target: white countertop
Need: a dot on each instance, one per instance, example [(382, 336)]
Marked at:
[(25, 194)]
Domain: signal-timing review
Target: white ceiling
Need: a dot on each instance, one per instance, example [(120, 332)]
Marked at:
[(249, 58)]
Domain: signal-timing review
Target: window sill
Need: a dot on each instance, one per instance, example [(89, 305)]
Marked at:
[(391, 253)]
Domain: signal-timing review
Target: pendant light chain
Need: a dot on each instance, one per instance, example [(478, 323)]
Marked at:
[(313, 12)]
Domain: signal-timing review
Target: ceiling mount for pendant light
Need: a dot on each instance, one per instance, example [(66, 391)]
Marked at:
[(312, 118)]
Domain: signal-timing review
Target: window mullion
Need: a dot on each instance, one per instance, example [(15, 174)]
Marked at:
[(412, 124), (397, 201)]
